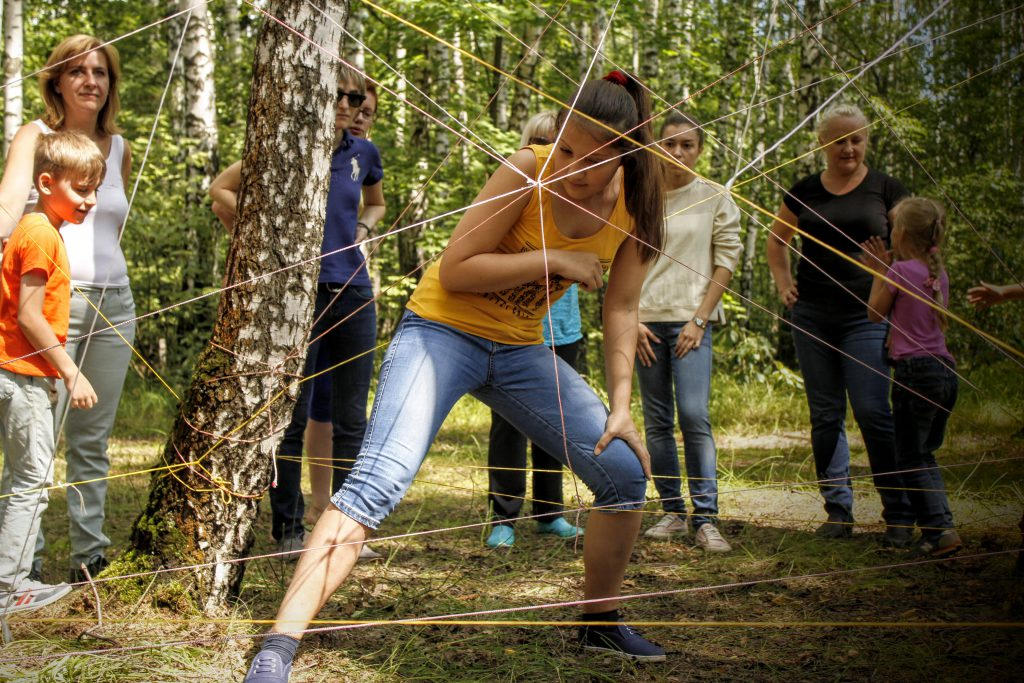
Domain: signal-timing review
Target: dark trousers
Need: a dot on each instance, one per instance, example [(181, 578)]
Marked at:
[(848, 362), (923, 396), (347, 322), (507, 449)]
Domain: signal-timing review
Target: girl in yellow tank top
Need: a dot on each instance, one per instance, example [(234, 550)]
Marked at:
[(548, 217)]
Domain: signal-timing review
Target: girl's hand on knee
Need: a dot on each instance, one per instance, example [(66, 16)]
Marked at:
[(620, 426)]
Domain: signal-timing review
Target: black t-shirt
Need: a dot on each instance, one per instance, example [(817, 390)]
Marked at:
[(856, 216)]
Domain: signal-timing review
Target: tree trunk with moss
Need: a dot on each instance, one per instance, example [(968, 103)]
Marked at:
[(218, 462)]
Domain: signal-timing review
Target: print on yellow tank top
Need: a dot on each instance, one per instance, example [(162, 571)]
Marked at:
[(513, 316)]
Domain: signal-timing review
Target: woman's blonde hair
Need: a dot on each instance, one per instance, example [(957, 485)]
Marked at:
[(60, 60), (839, 110), (540, 125)]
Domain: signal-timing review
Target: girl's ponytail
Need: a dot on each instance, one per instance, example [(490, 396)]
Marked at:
[(619, 102), (643, 174), (922, 223), (935, 265)]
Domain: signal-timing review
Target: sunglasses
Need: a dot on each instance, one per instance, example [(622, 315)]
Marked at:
[(539, 141), (355, 99)]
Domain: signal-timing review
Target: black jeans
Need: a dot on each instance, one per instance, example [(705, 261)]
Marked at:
[(351, 319), (923, 395), (507, 449)]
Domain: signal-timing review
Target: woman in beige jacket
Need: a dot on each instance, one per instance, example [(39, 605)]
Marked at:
[(680, 301)]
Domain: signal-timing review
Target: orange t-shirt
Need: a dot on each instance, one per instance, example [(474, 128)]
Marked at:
[(513, 316), (34, 245)]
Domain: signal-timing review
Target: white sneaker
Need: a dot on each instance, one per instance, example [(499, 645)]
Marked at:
[(368, 554), (31, 595), (710, 538), (668, 526)]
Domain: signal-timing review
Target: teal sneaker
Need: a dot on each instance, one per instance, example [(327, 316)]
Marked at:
[(560, 528), (502, 536)]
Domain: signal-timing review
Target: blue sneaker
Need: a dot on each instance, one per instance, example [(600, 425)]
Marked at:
[(268, 667), (560, 528), (502, 536), (622, 641)]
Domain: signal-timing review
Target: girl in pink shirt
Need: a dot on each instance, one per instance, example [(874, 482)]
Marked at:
[(913, 292)]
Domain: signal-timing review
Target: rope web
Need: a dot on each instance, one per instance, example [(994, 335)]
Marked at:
[(468, 133)]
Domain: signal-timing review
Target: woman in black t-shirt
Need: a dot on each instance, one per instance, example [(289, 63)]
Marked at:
[(841, 352)]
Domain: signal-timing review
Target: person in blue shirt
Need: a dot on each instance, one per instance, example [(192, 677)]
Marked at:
[(506, 452)]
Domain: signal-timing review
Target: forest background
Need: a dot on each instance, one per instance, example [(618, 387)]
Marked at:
[(749, 70), (945, 112)]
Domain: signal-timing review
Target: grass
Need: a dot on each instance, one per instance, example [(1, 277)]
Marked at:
[(737, 632)]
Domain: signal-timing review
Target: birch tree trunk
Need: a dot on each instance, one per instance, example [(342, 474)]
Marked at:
[(652, 43), (499, 103), (232, 31), (810, 64), (200, 145), (226, 434), (14, 52), (352, 43), (527, 71), (459, 97)]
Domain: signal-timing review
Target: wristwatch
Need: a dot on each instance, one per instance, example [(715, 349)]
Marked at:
[(700, 322)]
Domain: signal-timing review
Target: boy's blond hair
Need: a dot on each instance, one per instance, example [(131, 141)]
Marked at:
[(67, 153)]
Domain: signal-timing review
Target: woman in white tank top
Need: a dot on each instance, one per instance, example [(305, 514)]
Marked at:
[(79, 89)]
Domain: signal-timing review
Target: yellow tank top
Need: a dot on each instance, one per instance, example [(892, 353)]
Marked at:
[(513, 316)]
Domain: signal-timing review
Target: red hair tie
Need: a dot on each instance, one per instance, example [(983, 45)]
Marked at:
[(617, 77)]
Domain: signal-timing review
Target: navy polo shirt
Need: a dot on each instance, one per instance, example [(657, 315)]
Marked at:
[(355, 163)]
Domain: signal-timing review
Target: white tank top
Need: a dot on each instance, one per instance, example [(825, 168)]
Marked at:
[(93, 250)]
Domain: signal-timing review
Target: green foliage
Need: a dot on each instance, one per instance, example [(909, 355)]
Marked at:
[(944, 111)]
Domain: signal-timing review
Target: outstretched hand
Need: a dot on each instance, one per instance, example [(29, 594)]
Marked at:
[(985, 295), (875, 255), (620, 426)]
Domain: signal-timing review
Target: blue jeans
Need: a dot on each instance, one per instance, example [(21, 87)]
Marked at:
[(352, 323), (506, 460), (831, 376), (429, 366), (920, 419), (680, 386)]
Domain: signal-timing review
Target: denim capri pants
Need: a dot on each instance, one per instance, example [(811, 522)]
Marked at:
[(430, 365)]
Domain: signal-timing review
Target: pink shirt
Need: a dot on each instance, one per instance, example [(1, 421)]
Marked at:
[(915, 325)]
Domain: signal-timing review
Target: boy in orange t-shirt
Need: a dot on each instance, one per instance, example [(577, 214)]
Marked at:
[(35, 292)]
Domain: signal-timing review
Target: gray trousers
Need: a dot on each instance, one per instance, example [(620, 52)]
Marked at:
[(26, 427), (103, 358)]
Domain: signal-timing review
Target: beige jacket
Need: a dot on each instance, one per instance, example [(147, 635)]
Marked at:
[(702, 231)]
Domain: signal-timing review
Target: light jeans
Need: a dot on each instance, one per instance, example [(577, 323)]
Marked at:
[(429, 366), (103, 358), (683, 386), (26, 420)]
